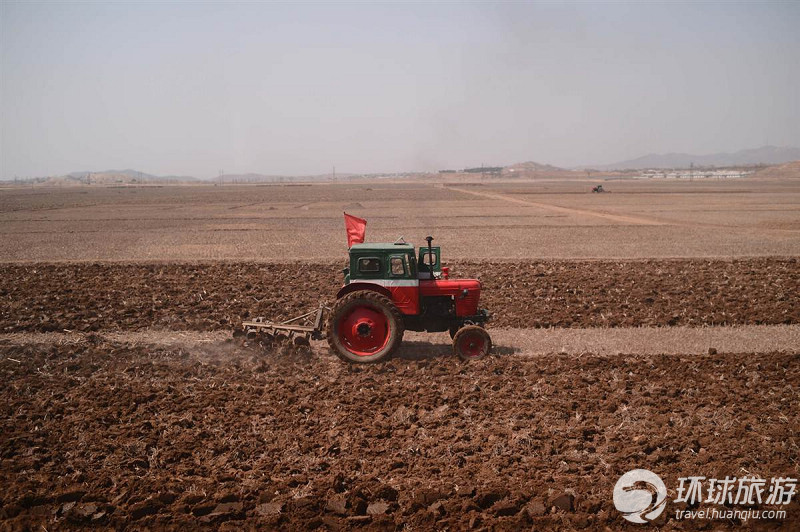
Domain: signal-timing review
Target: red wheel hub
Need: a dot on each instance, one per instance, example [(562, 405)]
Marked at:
[(472, 344), (364, 331)]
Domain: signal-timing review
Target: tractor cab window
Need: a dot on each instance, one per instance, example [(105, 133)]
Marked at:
[(369, 265), (425, 260), (398, 268)]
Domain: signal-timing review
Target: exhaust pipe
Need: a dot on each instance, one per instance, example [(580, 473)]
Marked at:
[(430, 255)]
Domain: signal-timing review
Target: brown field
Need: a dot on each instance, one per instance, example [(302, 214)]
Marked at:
[(537, 294), (120, 435), (485, 220), (656, 326)]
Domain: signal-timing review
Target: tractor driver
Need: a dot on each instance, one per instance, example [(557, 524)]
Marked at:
[(370, 265)]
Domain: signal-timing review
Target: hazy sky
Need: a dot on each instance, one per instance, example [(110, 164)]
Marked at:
[(191, 88)]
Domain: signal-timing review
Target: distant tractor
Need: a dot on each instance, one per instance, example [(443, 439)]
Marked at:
[(598, 189), (388, 290)]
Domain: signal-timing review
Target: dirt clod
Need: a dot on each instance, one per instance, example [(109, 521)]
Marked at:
[(337, 505), (377, 508), (269, 508), (565, 502)]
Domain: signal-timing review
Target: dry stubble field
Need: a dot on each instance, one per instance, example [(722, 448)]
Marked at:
[(124, 404), (472, 221)]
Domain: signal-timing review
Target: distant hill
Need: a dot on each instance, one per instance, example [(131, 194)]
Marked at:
[(763, 155), (264, 178), (526, 170), (111, 177), (531, 166), (129, 174), (534, 170), (791, 169)]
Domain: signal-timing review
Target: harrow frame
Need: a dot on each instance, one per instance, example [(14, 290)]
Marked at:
[(298, 331)]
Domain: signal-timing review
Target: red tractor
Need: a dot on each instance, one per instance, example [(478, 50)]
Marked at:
[(388, 290)]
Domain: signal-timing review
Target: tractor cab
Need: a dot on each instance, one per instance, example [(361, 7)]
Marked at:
[(376, 262), (393, 261)]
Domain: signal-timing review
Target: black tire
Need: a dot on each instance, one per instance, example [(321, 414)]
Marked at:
[(377, 303), (472, 343)]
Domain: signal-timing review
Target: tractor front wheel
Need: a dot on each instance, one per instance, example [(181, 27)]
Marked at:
[(472, 343), (364, 326), (453, 330)]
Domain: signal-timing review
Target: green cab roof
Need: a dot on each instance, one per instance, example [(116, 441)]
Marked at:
[(382, 246)]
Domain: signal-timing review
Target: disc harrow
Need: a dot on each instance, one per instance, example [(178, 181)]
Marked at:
[(292, 335)]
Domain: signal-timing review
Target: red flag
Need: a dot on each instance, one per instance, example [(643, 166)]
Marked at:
[(356, 229)]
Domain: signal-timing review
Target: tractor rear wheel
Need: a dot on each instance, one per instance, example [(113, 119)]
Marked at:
[(364, 326), (472, 343)]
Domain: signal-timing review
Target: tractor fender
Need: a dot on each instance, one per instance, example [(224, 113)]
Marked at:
[(352, 287)]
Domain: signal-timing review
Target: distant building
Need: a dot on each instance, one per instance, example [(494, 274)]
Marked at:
[(484, 170), (693, 174)]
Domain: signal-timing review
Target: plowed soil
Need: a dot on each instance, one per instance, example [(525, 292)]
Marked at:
[(124, 436), (90, 297), (117, 433)]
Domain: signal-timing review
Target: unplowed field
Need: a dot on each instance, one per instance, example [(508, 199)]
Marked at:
[(485, 220)]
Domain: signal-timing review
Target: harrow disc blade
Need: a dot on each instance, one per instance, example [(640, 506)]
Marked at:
[(265, 340), (301, 341)]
